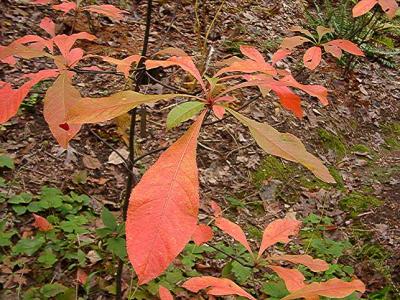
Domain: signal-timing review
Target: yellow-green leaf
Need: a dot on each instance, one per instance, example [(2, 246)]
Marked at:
[(284, 145), (183, 112), (93, 110)]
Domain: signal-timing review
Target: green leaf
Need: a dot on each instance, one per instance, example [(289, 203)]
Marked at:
[(108, 219), (50, 198), (117, 246), (174, 276), (241, 273), (276, 290), (19, 209), (52, 290), (22, 198), (47, 258), (183, 112), (28, 246), (6, 162), (5, 237)]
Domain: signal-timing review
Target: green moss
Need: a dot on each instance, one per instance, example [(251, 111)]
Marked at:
[(392, 135), (332, 142), (272, 168), (362, 149), (233, 46), (356, 203), (254, 232)]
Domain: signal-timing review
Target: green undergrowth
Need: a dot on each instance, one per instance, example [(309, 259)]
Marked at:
[(392, 135), (292, 177), (359, 202), (333, 142)]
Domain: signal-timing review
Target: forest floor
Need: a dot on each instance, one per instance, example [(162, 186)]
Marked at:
[(353, 224)]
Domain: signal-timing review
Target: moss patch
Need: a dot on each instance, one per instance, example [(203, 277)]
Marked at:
[(332, 142), (356, 203), (392, 135)]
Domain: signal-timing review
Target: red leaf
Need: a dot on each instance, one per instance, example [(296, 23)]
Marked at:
[(216, 208), (59, 98), (234, 231), (248, 66), (334, 288), (314, 90), (185, 62), (219, 111), (279, 55), (123, 65), (217, 286), (48, 25), (288, 99), (73, 57), (202, 234), (41, 223), (390, 7), (278, 231), (315, 265), (363, 7), (165, 294), (65, 7), (106, 10), (312, 57), (10, 99), (294, 279), (163, 208), (65, 42), (347, 46)]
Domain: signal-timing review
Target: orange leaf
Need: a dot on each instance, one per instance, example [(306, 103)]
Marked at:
[(106, 10), (278, 231), (312, 57), (333, 288), (217, 286), (284, 145), (294, 279), (41, 223), (163, 208), (8, 60), (247, 66), (16, 49), (314, 90), (347, 46), (48, 25), (233, 230), (59, 98), (65, 42), (288, 99), (172, 51), (219, 111), (65, 7), (279, 55), (292, 42), (10, 99), (315, 265), (334, 50), (202, 234), (252, 53), (185, 62), (390, 7), (123, 65), (164, 293), (363, 7), (81, 276), (216, 209)]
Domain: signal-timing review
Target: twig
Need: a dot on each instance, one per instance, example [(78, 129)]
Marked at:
[(149, 153), (239, 109), (131, 180), (230, 256)]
